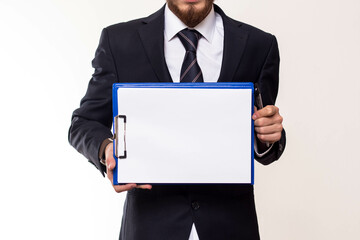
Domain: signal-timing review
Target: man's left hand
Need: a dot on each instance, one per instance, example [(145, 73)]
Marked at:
[(268, 124)]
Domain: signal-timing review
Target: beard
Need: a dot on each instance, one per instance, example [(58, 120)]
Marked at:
[(192, 16)]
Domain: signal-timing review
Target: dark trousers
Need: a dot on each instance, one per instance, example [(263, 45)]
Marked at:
[(167, 212)]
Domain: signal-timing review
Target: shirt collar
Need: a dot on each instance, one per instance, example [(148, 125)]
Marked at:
[(173, 25)]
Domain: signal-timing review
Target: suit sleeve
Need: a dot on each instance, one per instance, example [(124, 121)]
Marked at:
[(269, 83), (91, 122)]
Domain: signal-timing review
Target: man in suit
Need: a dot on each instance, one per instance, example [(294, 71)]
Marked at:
[(152, 49)]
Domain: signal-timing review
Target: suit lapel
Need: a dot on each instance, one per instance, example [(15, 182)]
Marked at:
[(152, 37), (234, 44)]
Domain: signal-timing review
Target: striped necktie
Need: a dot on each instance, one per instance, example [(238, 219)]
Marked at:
[(190, 70)]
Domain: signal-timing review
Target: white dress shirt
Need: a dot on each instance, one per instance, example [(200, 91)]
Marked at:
[(210, 47), (209, 54)]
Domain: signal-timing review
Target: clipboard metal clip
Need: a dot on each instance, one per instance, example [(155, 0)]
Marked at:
[(117, 136)]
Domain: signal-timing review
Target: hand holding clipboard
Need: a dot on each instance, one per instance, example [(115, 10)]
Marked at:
[(268, 123)]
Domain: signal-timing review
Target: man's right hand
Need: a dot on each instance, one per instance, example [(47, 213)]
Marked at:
[(110, 165)]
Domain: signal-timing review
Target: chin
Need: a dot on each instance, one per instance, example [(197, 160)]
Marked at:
[(190, 12)]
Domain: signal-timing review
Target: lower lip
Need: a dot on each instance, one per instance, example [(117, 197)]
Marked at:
[(191, 1)]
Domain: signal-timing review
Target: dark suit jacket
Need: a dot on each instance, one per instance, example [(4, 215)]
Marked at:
[(134, 52)]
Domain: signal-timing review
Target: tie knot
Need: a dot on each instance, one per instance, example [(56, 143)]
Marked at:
[(189, 39)]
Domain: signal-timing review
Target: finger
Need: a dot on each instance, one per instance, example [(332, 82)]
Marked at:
[(145, 186), (267, 111), (269, 129), (122, 188), (267, 121), (270, 138)]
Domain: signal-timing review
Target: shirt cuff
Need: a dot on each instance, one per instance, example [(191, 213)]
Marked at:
[(263, 153), (102, 150)]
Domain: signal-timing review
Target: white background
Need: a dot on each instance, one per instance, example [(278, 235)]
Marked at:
[(49, 191)]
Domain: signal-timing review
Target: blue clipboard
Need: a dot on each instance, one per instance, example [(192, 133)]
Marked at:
[(153, 143)]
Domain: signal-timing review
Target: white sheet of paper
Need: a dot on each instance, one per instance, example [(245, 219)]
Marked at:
[(186, 135)]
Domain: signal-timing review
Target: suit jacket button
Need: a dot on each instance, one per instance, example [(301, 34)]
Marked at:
[(195, 205)]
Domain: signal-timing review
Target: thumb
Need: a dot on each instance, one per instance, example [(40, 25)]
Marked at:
[(110, 163)]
